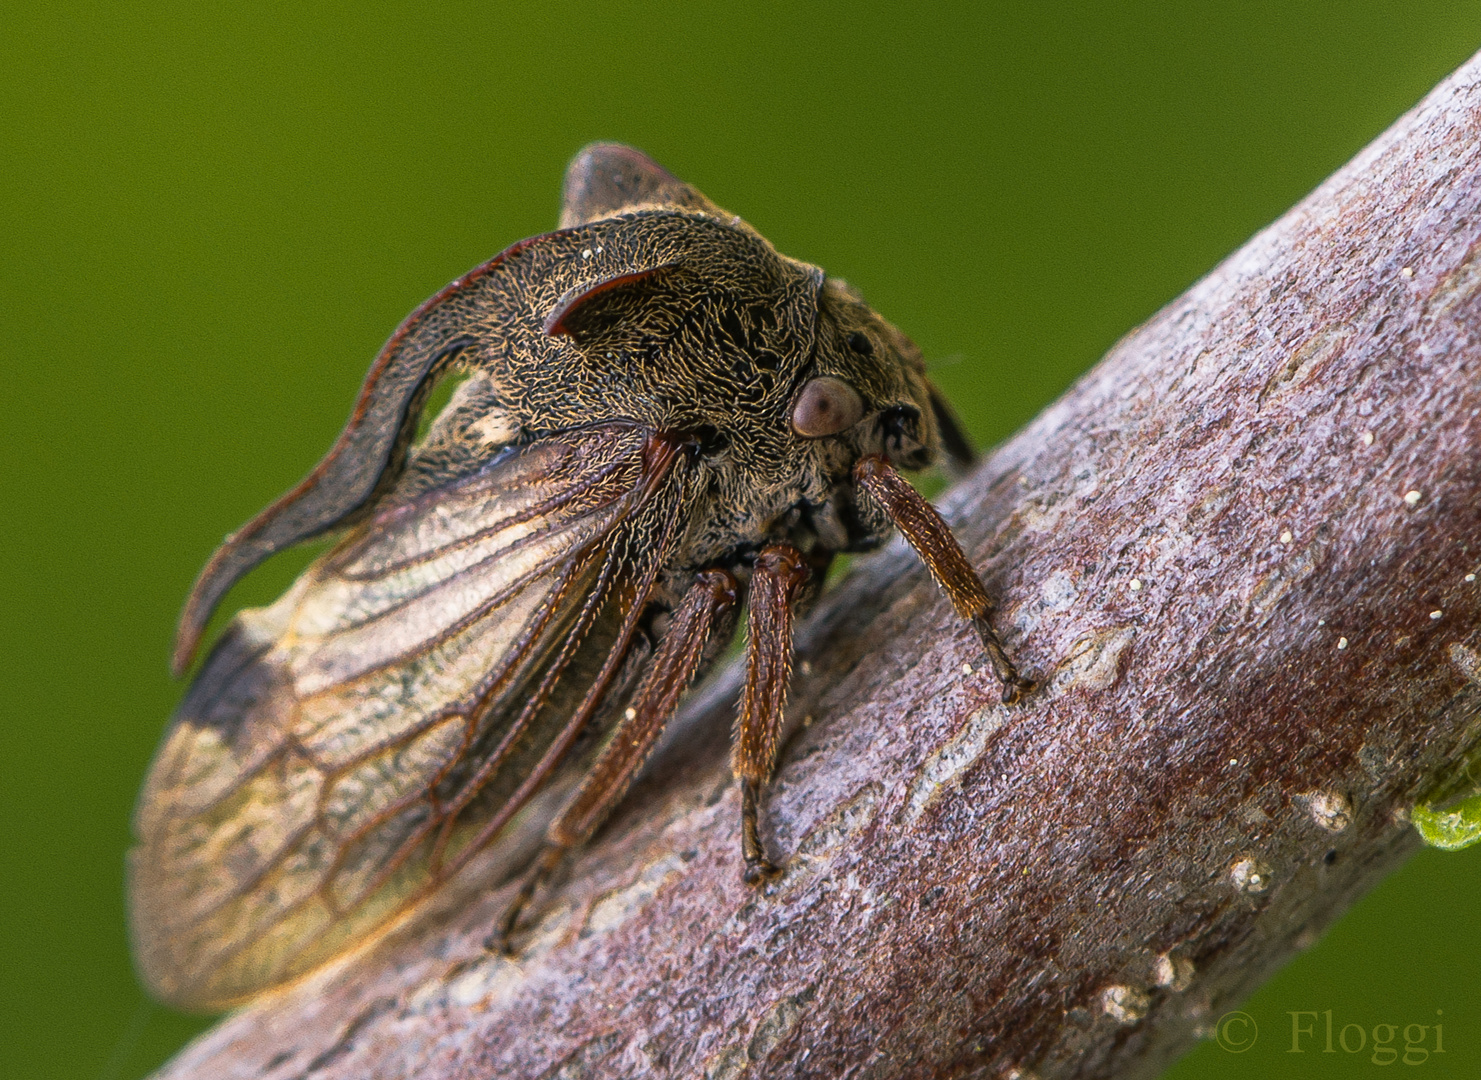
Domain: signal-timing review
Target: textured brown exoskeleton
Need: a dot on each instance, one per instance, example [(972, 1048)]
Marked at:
[(662, 418)]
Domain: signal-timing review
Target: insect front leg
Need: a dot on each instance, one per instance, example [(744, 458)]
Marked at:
[(679, 655), (931, 538), (779, 575)]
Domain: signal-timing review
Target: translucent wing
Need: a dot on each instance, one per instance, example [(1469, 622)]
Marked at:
[(343, 751)]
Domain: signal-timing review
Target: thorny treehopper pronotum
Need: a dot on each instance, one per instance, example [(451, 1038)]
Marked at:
[(662, 419)]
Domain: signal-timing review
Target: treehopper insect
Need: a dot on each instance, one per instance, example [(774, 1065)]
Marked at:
[(662, 419)]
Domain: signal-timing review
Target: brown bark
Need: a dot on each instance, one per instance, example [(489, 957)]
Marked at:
[(1258, 649)]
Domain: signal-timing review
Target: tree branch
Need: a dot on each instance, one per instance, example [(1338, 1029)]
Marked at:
[(1236, 553)]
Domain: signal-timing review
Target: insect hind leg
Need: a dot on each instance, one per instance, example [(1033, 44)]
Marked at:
[(678, 659)]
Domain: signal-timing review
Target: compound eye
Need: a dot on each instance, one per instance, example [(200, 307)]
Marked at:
[(826, 406)]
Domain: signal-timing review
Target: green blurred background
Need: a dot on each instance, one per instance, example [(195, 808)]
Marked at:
[(209, 222)]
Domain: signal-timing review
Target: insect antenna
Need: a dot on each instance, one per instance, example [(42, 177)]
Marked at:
[(960, 457), (949, 360)]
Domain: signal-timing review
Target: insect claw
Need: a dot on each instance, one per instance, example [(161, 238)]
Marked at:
[(1014, 691), (759, 871), (497, 944), (500, 940), (1015, 686)]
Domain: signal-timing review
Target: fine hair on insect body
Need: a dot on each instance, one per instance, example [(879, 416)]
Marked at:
[(663, 424)]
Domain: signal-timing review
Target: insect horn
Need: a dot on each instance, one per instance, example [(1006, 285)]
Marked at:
[(564, 317), (365, 459), (606, 179)]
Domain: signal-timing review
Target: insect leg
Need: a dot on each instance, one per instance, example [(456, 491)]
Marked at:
[(712, 595), (923, 528), (780, 572)]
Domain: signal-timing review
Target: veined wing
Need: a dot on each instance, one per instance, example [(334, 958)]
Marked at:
[(343, 751)]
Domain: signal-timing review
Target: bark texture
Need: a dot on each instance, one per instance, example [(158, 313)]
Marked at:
[(1236, 555)]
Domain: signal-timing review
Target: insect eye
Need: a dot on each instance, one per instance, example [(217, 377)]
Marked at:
[(860, 343), (826, 406)]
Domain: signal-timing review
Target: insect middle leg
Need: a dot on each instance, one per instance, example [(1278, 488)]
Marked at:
[(779, 574), (679, 655)]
